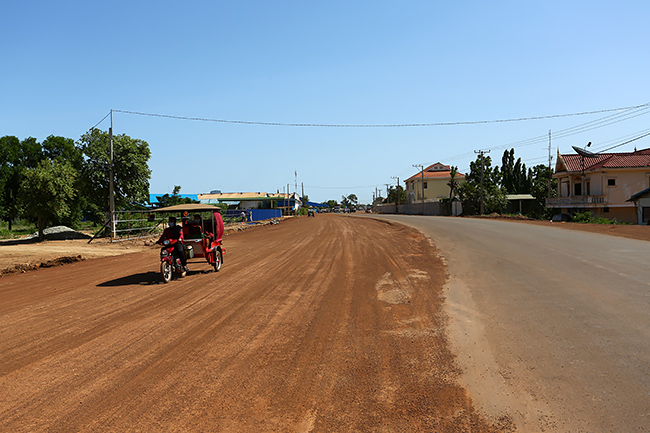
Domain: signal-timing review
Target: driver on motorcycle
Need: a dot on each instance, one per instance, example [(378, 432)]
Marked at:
[(174, 233)]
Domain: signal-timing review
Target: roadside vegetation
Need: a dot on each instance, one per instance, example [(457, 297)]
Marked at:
[(62, 182), (18, 229), (588, 218), (512, 177)]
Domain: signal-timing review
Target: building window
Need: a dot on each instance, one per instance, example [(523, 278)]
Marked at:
[(611, 182), (577, 189), (425, 185)]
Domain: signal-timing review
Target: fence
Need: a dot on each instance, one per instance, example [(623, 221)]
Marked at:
[(131, 225), (427, 208)]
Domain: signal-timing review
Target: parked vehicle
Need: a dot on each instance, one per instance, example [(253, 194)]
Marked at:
[(561, 217)]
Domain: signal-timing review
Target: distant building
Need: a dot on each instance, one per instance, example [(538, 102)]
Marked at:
[(254, 200), (432, 182), (602, 184)]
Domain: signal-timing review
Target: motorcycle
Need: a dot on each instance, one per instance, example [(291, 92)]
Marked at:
[(170, 264), (201, 239)]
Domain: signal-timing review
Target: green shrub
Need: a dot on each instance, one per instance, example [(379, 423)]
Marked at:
[(587, 217), (582, 217)]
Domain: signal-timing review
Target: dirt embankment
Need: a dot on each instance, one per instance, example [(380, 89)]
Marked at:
[(317, 324)]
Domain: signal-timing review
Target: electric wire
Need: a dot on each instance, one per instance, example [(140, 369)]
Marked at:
[(344, 187), (620, 114), (627, 142), (324, 125), (103, 118), (568, 132), (563, 133)]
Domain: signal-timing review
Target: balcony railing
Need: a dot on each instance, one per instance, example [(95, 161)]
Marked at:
[(577, 201)]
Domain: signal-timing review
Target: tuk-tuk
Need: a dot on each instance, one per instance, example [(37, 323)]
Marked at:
[(202, 228)]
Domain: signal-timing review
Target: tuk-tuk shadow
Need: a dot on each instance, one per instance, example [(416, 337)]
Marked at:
[(141, 279)]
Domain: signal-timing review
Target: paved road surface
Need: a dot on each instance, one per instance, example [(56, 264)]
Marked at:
[(552, 326)]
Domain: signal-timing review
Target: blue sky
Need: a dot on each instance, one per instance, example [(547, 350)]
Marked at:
[(66, 64)]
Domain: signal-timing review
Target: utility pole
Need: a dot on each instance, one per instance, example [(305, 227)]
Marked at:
[(387, 192), (111, 192), (482, 152), (422, 169), (550, 172), (396, 195)]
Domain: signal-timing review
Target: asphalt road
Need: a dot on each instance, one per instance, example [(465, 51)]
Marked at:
[(551, 326)]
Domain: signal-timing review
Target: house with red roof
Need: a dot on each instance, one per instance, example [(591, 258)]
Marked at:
[(602, 184), (431, 183)]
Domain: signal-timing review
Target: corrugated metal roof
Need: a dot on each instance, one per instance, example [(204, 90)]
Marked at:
[(242, 196), (520, 197), (639, 194)]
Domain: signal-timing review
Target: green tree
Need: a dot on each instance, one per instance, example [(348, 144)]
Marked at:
[(394, 193), (453, 186), (46, 192), (515, 177), (350, 201), (173, 199), (331, 203), (9, 150), (469, 192), (540, 175), (132, 173), (15, 156), (64, 149)]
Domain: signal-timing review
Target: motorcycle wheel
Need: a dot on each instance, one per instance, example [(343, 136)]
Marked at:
[(217, 260), (166, 271)]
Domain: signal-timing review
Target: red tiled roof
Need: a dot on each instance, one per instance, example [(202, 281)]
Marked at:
[(436, 171), (640, 158)]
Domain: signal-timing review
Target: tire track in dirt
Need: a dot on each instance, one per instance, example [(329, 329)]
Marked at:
[(330, 323)]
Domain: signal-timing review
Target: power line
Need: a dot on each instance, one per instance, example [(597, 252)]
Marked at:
[(343, 187), (627, 142), (323, 125), (103, 118), (574, 130)]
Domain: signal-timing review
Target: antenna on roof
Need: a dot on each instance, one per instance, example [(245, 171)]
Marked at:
[(584, 153)]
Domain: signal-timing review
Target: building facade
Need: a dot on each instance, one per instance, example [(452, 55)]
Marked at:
[(602, 184), (430, 184)]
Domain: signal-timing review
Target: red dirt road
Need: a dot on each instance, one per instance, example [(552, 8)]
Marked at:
[(323, 324)]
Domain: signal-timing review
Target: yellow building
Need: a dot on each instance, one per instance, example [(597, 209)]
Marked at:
[(432, 183), (602, 184)]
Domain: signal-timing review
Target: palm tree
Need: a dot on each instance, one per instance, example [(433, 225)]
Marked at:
[(452, 184)]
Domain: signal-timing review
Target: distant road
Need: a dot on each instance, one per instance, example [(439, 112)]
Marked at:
[(551, 326)]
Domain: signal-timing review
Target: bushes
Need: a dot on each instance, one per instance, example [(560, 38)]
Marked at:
[(587, 217)]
